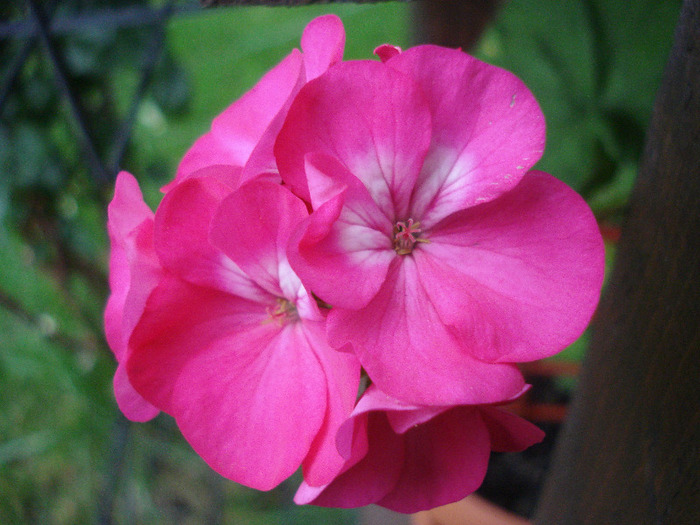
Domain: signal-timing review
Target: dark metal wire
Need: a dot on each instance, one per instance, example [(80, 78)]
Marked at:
[(153, 53), (93, 159), (15, 67), (39, 26), (105, 18)]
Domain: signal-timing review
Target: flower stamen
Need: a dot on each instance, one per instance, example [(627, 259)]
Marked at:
[(406, 236), (284, 312)]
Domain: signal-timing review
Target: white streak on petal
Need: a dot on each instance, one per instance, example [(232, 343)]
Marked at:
[(233, 280), (289, 282), (443, 185)]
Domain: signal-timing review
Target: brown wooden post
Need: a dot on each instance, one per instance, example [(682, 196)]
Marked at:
[(630, 452), (453, 23)]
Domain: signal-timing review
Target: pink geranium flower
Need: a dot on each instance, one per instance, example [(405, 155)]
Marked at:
[(409, 238), (243, 135), (232, 345), (445, 260), (134, 271), (411, 458)]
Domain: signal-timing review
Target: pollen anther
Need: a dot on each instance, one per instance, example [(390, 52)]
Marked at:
[(284, 312), (406, 236)]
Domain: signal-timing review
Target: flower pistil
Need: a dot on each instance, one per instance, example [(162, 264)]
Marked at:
[(406, 236), (285, 311)]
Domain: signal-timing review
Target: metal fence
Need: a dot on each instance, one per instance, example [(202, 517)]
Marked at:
[(38, 30)]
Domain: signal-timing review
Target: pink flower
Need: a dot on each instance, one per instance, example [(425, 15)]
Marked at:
[(230, 342), (432, 257), (410, 458), (445, 260), (134, 271), (243, 135)]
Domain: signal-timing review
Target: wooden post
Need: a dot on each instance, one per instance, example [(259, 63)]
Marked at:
[(630, 452), (453, 23)]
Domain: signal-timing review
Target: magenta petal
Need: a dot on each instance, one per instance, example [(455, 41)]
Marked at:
[(408, 351), (182, 238), (369, 478), (119, 277), (248, 395), (436, 461), (330, 116), (444, 461), (342, 372), (133, 265), (343, 250), (236, 132), (404, 420), (487, 128), (401, 416), (519, 277), (252, 227), (508, 432), (144, 274), (242, 124), (386, 51), (127, 209), (322, 43), (209, 151), (134, 273), (130, 402)]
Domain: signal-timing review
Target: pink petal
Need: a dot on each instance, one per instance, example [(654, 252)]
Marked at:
[(444, 461), (322, 42), (119, 280), (436, 461), (127, 209), (342, 251), (369, 478), (252, 227), (244, 122), (408, 351), (342, 372), (249, 394), (402, 421), (519, 277), (387, 51), (182, 238), (508, 432), (208, 152), (130, 402), (372, 119), (402, 416), (236, 132), (145, 273), (487, 130), (134, 273), (130, 226)]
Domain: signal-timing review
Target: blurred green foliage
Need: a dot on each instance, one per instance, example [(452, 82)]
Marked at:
[(594, 66), (66, 453)]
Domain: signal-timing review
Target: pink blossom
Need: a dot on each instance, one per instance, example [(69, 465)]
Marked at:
[(243, 135), (232, 345), (445, 260), (411, 458), (433, 256), (134, 271)]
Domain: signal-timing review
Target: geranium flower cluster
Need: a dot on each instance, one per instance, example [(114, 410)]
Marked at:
[(345, 272)]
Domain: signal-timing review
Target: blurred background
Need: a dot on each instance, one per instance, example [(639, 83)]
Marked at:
[(89, 87)]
